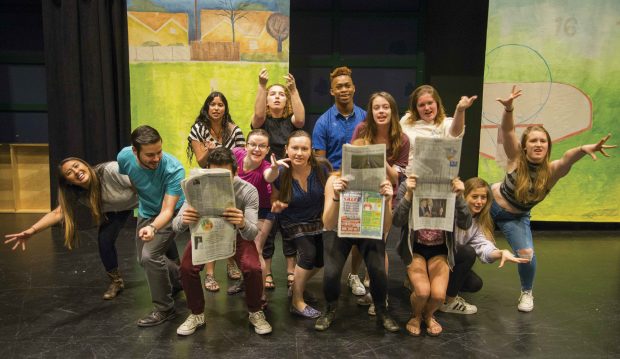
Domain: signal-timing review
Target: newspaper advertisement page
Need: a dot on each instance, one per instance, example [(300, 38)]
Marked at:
[(361, 206), (436, 163), (363, 166), (210, 191), (361, 215)]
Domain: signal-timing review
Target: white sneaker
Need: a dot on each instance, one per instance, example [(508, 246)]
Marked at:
[(191, 323), (458, 306), (357, 288), (261, 325), (526, 301)]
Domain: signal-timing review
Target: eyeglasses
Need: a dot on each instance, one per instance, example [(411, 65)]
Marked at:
[(260, 147)]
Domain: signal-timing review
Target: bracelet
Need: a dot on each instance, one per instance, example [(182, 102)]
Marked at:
[(336, 200), (511, 109), (154, 228)]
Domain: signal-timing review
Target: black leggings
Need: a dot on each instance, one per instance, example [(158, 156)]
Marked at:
[(336, 253), (462, 278)]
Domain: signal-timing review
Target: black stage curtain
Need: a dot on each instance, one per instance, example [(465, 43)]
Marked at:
[(86, 58)]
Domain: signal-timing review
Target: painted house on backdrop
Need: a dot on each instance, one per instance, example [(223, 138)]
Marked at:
[(158, 36)]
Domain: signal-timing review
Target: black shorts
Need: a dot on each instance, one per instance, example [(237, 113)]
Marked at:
[(428, 252)]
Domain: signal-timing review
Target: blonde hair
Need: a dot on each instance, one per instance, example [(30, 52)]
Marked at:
[(288, 108), (525, 190), (413, 104), (484, 217)]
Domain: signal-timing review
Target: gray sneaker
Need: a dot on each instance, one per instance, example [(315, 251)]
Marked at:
[(260, 323)]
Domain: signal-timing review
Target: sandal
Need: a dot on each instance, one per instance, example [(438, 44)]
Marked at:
[(414, 327), (290, 279), (211, 284), (433, 328), (269, 283), (233, 271)]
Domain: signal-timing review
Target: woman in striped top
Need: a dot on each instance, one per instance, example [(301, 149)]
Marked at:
[(214, 128)]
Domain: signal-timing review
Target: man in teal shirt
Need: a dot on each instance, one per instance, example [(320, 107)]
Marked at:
[(157, 178)]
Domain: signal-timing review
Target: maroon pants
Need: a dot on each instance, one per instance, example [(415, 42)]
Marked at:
[(246, 257)]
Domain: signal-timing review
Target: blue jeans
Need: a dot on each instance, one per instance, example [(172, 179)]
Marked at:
[(516, 229), (108, 232)]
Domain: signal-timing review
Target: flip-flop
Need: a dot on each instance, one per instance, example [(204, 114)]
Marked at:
[(289, 281), (211, 284), (414, 326), (269, 283), (433, 324)]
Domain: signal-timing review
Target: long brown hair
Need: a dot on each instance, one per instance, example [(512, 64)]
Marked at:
[(413, 104), (525, 190), (484, 217), (370, 131), (318, 164), (288, 107), (69, 196)]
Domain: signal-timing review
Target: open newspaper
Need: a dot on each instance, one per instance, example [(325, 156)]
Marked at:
[(436, 162), (361, 205), (210, 191)]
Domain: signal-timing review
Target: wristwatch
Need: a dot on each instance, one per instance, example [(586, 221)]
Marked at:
[(154, 228)]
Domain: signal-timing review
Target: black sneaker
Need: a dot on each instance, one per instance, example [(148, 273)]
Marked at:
[(156, 318), (325, 320)]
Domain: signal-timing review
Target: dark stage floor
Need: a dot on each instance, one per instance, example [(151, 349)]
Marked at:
[(51, 306)]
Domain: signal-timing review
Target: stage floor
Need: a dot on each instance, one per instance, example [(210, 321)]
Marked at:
[(51, 306)]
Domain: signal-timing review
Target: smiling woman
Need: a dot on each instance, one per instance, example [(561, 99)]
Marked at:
[(107, 196)]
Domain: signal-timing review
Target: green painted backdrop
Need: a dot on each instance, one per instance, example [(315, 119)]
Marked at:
[(580, 43)]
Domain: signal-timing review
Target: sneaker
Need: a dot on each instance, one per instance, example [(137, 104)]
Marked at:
[(325, 320), (357, 288), (365, 300), (367, 282), (371, 310), (526, 301), (191, 323), (458, 306), (261, 325), (156, 318)]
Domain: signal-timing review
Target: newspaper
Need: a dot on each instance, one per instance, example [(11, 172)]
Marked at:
[(436, 162), (210, 191), (361, 206), (363, 166)]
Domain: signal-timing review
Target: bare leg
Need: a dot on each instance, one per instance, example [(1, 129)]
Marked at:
[(301, 277)]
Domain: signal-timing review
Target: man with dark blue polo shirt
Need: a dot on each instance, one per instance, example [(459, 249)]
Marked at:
[(331, 131), (157, 178), (335, 127)]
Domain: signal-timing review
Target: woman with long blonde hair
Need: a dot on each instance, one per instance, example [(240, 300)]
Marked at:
[(103, 193), (530, 175), (476, 241)]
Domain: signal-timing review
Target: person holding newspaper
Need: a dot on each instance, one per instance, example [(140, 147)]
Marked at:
[(381, 126), (157, 177), (107, 197), (337, 250), (214, 128), (426, 117), (298, 195), (477, 241), (530, 175), (244, 217), (253, 168), (429, 256)]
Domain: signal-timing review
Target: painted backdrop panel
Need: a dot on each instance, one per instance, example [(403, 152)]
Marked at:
[(181, 50), (564, 55)]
